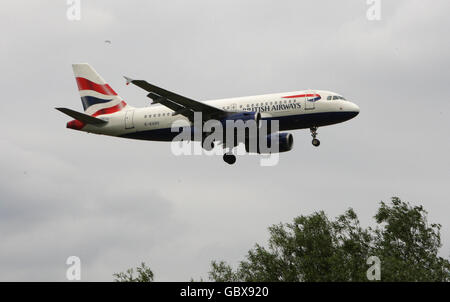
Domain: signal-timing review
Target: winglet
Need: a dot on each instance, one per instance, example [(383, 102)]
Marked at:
[(129, 80)]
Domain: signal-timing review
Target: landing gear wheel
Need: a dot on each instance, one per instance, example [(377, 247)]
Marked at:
[(315, 141), (229, 158)]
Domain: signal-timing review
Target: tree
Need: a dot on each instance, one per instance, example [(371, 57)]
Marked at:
[(408, 245), (144, 274), (313, 248)]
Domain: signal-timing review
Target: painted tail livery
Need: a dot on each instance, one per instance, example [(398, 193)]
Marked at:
[(106, 113), (97, 98)]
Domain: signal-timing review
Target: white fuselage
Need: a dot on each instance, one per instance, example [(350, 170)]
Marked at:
[(294, 110)]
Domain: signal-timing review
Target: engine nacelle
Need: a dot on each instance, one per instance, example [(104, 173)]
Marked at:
[(282, 141)]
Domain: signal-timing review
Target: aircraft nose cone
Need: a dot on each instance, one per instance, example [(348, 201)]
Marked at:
[(354, 109), (350, 110)]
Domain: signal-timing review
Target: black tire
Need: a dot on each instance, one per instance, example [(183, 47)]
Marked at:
[(316, 142), (229, 158)]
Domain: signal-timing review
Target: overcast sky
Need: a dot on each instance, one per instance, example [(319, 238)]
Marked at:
[(115, 202)]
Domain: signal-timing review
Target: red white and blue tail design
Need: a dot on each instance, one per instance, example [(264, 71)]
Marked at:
[(97, 96)]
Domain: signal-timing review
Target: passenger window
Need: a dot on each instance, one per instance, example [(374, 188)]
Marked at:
[(329, 97)]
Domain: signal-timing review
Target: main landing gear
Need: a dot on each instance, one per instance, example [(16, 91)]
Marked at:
[(315, 141), (229, 158)]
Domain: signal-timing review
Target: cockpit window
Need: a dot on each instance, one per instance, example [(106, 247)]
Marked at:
[(329, 97), (337, 97)]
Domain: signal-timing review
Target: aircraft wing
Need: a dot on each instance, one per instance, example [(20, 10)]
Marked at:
[(180, 104)]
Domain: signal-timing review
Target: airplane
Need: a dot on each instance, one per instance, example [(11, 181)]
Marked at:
[(106, 113)]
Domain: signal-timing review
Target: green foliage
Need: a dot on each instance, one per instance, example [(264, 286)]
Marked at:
[(144, 274), (313, 248), (222, 272), (407, 245)]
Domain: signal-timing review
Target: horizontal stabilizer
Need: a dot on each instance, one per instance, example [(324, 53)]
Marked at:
[(87, 119)]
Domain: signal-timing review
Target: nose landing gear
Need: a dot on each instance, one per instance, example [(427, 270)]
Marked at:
[(315, 141)]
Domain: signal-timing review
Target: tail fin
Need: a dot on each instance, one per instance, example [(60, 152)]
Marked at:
[(97, 96)]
